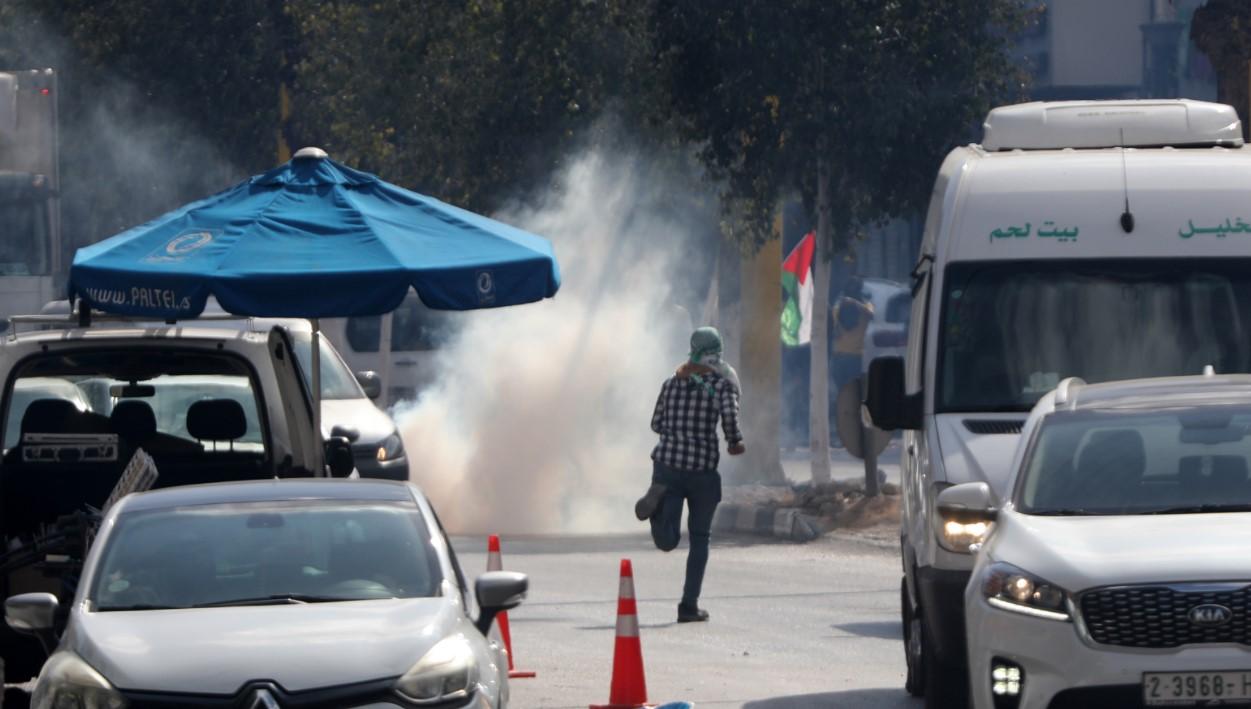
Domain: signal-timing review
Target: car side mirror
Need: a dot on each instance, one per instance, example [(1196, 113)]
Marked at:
[(498, 591), (33, 614), (890, 407), (968, 502), (350, 433), (339, 457), (371, 383)]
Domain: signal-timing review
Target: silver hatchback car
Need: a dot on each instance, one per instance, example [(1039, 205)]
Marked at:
[(277, 593)]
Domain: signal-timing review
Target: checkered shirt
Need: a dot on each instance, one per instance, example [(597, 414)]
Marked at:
[(686, 419)]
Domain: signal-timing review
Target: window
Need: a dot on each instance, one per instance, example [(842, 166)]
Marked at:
[(414, 328), (145, 396), (221, 554), (1187, 458), (1012, 330)]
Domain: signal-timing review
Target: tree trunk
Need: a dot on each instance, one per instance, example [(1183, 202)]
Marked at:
[(819, 391), (761, 371)]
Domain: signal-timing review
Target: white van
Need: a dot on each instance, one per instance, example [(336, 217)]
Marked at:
[(414, 336), (1105, 240)]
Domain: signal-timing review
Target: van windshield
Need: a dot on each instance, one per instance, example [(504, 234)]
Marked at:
[(1012, 330)]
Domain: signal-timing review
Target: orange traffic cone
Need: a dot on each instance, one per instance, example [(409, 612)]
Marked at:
[(495, 563), (629, 687)]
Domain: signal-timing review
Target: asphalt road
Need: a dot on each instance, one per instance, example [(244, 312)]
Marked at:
[(793, 626)]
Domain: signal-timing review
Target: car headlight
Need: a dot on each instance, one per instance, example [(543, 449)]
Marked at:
[(391, 448), (1010, 588), (446, 672), (67, 682)]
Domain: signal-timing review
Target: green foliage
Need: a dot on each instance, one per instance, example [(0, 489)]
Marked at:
[(470, 101), (878, 89)]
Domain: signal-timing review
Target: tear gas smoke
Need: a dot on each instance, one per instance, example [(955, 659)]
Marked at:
[(539, 418)]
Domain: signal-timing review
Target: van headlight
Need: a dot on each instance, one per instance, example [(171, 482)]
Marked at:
[(446, 672), (1010, 588), (68, 682), (963, 536), (392, 447)]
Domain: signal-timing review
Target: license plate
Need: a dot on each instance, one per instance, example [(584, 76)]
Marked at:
[(1191, 689)]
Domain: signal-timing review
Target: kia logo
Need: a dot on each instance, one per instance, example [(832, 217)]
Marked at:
[(1210, 615)]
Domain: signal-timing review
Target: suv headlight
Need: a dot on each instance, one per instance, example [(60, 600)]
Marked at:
[(392, 447), (1009, 588), (67, 682), (447, 671)]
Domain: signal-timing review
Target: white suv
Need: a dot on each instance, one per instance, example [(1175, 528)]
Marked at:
[(1116, 572)]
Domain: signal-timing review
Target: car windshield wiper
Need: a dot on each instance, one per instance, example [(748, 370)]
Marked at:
[(137, 607), (1198, 509), (1062, 512), (276, 599)]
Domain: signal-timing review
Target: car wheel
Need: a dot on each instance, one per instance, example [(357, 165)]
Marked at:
[(913, 655), (946, 684)]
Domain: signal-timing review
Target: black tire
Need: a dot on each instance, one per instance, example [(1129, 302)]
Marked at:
[(913, 656), (946, 684)]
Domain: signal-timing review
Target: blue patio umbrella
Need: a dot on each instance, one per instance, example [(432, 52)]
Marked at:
[(313, 239)]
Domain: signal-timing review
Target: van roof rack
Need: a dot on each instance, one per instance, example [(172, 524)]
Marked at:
[(1054, 125), (1066, 389)]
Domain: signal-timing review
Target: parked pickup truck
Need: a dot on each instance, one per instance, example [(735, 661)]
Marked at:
[(206, 403)]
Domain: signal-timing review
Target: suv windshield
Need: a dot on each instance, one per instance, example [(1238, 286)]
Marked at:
[(260, 553), (1115, 463), (1012, 330)]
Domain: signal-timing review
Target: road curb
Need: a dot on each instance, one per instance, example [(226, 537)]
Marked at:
[(844, 535), (784, 523)]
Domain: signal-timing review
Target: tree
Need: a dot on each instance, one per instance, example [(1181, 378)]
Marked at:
[(847, 103), (1222, 30), (159, 103), (469, 101)]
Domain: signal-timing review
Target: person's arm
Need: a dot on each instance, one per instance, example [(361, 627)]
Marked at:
[(729, 417), (659, 411)]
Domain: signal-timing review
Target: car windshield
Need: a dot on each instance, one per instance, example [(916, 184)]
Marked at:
[(260, 553), (1188, 459), (1012, 330), (337, 381)]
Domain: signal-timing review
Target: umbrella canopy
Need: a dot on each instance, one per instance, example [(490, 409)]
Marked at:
[(313, 239)]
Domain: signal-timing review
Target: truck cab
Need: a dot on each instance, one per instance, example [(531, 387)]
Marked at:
[(1099, 239)]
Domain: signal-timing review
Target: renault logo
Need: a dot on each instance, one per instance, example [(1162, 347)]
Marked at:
[(1210, 615), (263, 699)]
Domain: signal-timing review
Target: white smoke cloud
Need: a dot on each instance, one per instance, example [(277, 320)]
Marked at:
[(540, 418)]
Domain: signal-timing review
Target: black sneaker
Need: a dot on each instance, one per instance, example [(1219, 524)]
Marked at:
[(650, 502), (691, 615)]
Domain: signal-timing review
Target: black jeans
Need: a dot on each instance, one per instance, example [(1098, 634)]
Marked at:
[(701, 489)]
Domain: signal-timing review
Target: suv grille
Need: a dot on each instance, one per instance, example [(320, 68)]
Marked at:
[(985, 426), (1159, 616)]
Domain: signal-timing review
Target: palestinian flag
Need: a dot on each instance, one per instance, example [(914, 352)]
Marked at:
[(797, 290)]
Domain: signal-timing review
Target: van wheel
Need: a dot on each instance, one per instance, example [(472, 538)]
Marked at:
[(946, 684), (913, 655)]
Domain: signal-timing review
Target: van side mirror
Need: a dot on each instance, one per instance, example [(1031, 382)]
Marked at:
[(371, 383), (498, 591), (890, 407), (33, 614), (968, 501)]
